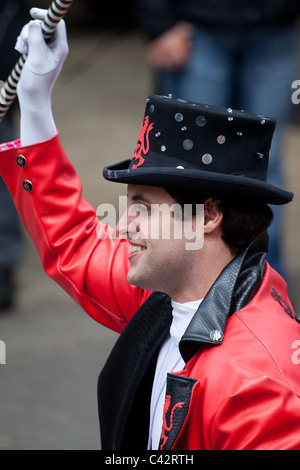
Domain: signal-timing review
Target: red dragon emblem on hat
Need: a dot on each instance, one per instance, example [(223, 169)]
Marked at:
[(142, 147)]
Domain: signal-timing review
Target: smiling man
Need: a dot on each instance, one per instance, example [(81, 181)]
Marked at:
[(159, 243), (204, 357)]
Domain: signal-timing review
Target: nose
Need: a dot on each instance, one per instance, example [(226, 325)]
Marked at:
[(122, 225), (128, 225)]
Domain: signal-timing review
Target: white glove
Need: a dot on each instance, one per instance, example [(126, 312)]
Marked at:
[(38, 77)]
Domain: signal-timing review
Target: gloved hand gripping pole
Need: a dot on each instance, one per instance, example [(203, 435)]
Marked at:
[(8, 92)]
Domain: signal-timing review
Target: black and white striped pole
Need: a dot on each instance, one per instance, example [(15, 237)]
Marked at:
[(8, 92)]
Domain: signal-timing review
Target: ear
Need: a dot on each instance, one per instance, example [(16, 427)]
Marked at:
[(213, 215)]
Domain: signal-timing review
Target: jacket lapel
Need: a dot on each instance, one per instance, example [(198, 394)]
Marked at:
[(127, 367)]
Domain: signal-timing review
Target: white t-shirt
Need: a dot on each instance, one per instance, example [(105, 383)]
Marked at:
[(169, 360)]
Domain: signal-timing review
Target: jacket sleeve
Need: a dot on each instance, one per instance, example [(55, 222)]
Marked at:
[(76, 249), (155, 16), (263, 414)]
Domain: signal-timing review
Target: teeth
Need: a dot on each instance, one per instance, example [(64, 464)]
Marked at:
[(135, 248)]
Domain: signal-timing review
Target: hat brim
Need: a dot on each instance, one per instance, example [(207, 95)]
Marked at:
[(219, 184)]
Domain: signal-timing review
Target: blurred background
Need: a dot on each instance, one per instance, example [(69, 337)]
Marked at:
[(54, 351)]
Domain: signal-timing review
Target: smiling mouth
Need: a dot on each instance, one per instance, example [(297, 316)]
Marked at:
[(137, 248)]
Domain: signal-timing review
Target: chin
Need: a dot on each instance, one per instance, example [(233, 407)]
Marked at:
[(140, 281), (133, 279)]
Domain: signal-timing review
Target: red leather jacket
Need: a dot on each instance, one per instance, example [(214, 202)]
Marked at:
[(241, 385)]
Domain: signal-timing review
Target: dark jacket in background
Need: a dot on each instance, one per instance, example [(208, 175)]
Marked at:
[(157, 16), (14, 14)]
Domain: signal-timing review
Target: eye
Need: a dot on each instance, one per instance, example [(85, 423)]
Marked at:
[(138, 209)]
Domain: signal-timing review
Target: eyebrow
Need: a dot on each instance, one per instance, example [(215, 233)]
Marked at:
[(140, 197)]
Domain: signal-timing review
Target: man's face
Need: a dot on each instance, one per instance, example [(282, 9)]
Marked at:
[(155, 228)]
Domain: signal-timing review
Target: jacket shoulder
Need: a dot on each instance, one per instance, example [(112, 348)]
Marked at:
[(270, 323), (259, 340)]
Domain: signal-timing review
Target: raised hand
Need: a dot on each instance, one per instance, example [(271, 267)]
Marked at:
[(40, 72)]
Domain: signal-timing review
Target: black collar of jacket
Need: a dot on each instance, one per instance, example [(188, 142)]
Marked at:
[(125, 383)]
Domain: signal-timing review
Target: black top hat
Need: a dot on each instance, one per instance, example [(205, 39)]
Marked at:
[(203, 149)]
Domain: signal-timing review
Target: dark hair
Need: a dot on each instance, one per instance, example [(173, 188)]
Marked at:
[(242, 222)]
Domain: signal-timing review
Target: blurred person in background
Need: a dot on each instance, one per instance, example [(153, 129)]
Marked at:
[(233, 53), (13, 15)]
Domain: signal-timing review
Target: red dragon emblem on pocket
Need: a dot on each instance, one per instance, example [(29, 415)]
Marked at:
[(170, 413), (142, 147)]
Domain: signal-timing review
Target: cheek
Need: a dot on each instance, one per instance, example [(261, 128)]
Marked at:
[(164, 227), (145, 228), (166, 253)]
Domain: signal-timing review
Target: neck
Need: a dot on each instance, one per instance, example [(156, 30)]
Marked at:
[(203, 270)]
